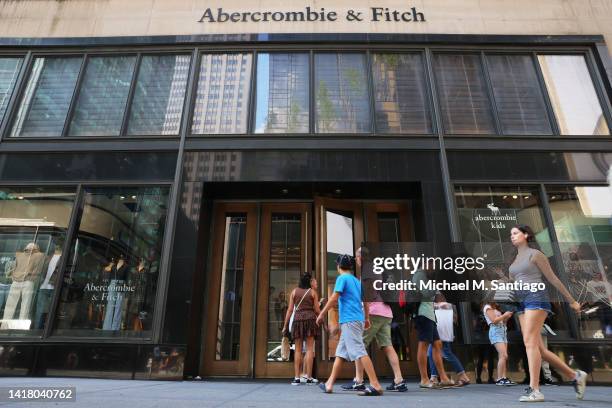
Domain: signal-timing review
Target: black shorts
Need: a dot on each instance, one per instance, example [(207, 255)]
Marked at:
[(427, 330)]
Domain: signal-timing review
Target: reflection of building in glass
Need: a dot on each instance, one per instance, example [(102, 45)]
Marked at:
[(282, 93), (174, 106), (210, 166), (221, 103), (588, 166)]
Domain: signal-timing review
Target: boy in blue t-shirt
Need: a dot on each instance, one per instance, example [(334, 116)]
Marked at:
[(347, 293)]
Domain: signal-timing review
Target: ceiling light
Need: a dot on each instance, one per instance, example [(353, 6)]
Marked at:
[(515, 196)]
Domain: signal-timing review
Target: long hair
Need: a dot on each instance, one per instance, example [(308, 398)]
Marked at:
[(531, 241), (305, 281)]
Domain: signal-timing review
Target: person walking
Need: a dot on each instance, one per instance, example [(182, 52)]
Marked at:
[(498, 336), (427, 333), (304, 305), (528, 266), (380, 329), (546, 374), (353, 318), (446, 317)]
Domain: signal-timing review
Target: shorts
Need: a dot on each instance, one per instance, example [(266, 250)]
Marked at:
[(498, 333), (380, 330), (351, 347), (533, 301), (427, 330)]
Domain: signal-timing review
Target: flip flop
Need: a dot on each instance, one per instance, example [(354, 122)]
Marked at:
[(370, 392), (323, 388)]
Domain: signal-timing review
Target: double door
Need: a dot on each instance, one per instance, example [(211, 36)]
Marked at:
[(260, 251)]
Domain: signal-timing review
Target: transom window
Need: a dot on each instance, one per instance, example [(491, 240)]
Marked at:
[(486, 92)]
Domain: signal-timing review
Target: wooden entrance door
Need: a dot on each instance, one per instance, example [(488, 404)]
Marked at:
[(339, 230), (392, 222), (229, 337), (284, 255)]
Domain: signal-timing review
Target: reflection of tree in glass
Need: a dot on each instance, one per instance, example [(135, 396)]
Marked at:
[(271, 121), (326, 111), (389, 65), (294, 114), (347, 99)]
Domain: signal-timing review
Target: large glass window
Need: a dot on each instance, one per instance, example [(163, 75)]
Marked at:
[(582, 217), (111, 277), (285, 272), (518, 96), (400, 94), (282, 93), (464, 101), (159, 95), (47, 96), (230, 299), (9, 70), (222, 96), (573, 96), (339, 233), (341, 93), (103, 93), (486, 216), (33, 225)]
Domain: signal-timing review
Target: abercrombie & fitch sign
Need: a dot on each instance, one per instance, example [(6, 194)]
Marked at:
[(310, 14)]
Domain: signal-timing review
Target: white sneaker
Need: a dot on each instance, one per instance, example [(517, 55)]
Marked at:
[(580, 384), (532, 396)]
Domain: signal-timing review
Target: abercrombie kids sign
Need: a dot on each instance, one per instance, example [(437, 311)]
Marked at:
[(311, 14)]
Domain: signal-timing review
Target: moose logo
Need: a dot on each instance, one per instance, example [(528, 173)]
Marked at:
[(494, 209)]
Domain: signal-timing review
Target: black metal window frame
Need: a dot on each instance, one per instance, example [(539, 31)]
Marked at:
[(23, 56), (26, 70), (71, 232), (368, 49), (575, 332)]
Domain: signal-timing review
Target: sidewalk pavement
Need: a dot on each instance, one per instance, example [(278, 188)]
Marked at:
[(92, 393)]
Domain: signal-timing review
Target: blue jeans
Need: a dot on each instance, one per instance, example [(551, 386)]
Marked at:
[(448, 355), (43, 301), (4, 290), (114, 307)]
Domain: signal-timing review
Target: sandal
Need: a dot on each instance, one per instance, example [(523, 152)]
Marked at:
[(323, 388), (447, 384), (461, 383), (370, 392)]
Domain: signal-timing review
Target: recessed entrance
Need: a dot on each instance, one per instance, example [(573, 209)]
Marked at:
[(260, 250)]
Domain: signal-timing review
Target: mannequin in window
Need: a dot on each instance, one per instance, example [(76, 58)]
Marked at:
[(45, 292), (28, 266), (117, 274), (138, 279)]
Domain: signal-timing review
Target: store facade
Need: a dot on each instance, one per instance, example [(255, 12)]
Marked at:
[(168, 170)]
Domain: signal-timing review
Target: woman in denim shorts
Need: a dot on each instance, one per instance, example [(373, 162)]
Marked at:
[(528, 266), (498, 338)]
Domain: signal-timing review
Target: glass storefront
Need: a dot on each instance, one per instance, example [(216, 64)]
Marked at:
[(110, 281), (582, 218), (33, 227), (486, 216)]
